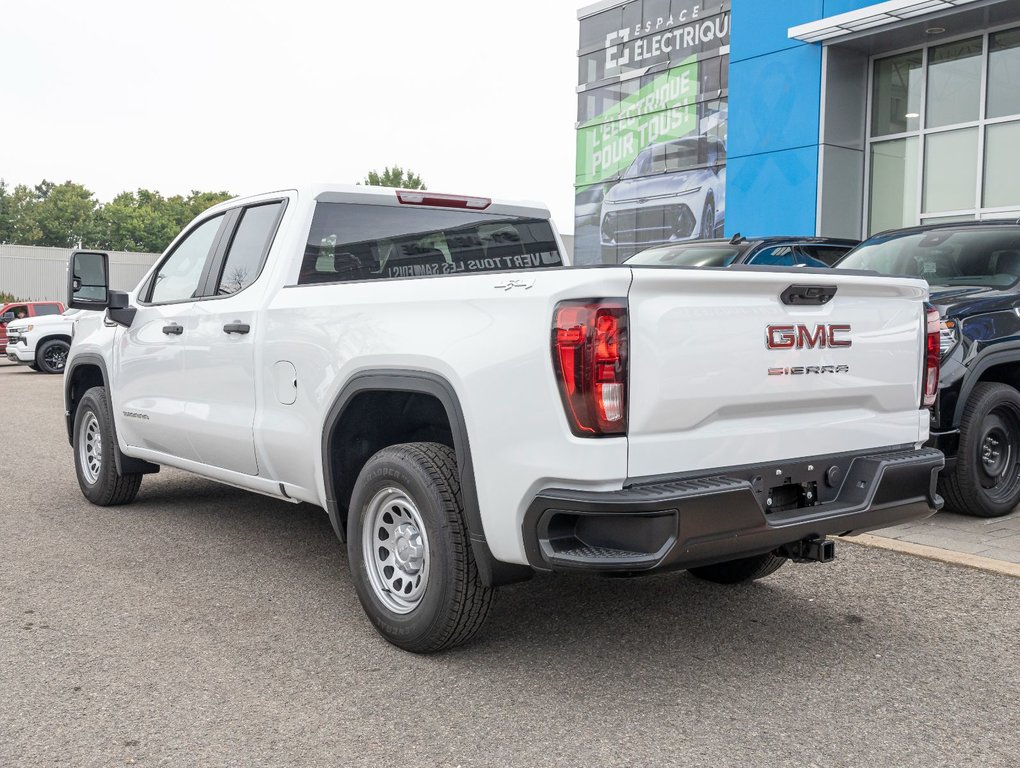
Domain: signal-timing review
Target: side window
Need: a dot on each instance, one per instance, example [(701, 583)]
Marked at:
[(19, 310), (776, 256), (822, 255), (47, 309), (251, 241), (180, 275)]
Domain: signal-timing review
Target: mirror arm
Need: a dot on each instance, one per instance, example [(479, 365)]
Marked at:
[(120, 310)]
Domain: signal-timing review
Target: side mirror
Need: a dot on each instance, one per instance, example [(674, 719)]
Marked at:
[(88, 282), (6, 317)]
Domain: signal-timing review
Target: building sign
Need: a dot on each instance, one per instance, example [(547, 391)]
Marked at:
[(651, 131)]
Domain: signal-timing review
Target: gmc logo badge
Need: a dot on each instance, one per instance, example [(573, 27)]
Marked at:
[(802, 337)]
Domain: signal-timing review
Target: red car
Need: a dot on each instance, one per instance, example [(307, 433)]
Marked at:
[(19, 309)]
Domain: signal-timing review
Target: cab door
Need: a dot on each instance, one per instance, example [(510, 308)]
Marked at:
[(152, 387), (220, 359)]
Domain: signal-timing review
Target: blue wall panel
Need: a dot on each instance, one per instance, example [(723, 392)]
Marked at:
[(836, 7), (774, 107), (775, 101), (772, 193), (760, 26)]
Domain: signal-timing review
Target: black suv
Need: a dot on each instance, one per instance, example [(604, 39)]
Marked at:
[(772, 251), (973, 269)]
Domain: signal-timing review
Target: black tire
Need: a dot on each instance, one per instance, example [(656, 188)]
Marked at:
[(986, 479), (108, 488), (454, 603), (740, 571), (707, 220), (52, 356)]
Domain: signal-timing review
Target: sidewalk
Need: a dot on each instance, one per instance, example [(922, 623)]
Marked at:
[(997, 538)]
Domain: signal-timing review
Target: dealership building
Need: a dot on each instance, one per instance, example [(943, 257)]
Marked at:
[(848, 118)]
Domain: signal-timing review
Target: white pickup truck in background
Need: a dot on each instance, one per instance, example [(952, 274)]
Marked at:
[(469, 412), (41, 342)]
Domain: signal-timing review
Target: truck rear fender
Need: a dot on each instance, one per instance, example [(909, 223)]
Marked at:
[(386, 407)]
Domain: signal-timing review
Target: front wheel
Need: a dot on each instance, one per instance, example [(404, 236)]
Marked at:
[(986, 479), (739, 571), (707, 220), (94, 462), (409, 551), (52, 356)]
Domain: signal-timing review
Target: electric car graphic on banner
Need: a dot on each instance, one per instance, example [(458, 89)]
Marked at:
[(657, 202), (651, 131)]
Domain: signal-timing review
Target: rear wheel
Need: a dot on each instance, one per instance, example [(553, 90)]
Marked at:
[(409, 551), (739, 571), (986, 479), (94, 446), (52, 356)]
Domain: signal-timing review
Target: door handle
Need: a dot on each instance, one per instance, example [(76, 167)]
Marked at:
[(173, 329), (236, 328)]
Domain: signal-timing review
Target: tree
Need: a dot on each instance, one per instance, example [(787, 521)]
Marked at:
[(6, 222), (66, 216), (21, 209), (395, 177), (147, 221), (200, 201)]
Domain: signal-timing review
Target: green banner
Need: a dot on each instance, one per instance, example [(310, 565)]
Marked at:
[(664, 109)]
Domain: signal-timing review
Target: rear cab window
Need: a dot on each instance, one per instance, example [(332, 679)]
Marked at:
[(355, 242), (47, 309), (248, 247)]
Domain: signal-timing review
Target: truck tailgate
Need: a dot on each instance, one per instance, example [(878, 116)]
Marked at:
[(724, 373)]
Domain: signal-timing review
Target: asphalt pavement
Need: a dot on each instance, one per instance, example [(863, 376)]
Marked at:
[(203, 625)]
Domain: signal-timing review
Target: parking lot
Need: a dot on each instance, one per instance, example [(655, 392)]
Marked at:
[(203, 625)]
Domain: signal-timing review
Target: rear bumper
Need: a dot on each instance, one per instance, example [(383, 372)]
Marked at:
[(697, 520)]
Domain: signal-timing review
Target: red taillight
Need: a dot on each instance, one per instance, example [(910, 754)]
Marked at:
[(590, 358), (421, 197), (933, 354)]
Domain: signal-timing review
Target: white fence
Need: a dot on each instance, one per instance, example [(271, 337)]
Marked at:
[(30, 273)]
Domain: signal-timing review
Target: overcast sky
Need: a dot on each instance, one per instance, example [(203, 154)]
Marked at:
[(476, 96)]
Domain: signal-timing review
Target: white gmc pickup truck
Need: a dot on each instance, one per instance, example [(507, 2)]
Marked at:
[(468, 410)]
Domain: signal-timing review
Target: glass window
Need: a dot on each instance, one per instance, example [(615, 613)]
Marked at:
[(47, 309), (896, 94), (594, 29), (776, 256), (180, 275), (248, 248), (366, 242), (950, 170), (948, 219), (18, 310), (687, 256), (1008, 215), (988, 256), (1002, 165), (954, 83), (825, 255), (893, 184), (1004, 73)]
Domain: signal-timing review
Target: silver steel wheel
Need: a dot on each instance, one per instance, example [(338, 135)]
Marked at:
[(396, 550), (90, 448)]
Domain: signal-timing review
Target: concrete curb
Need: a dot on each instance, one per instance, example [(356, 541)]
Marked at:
[(934, 553)]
